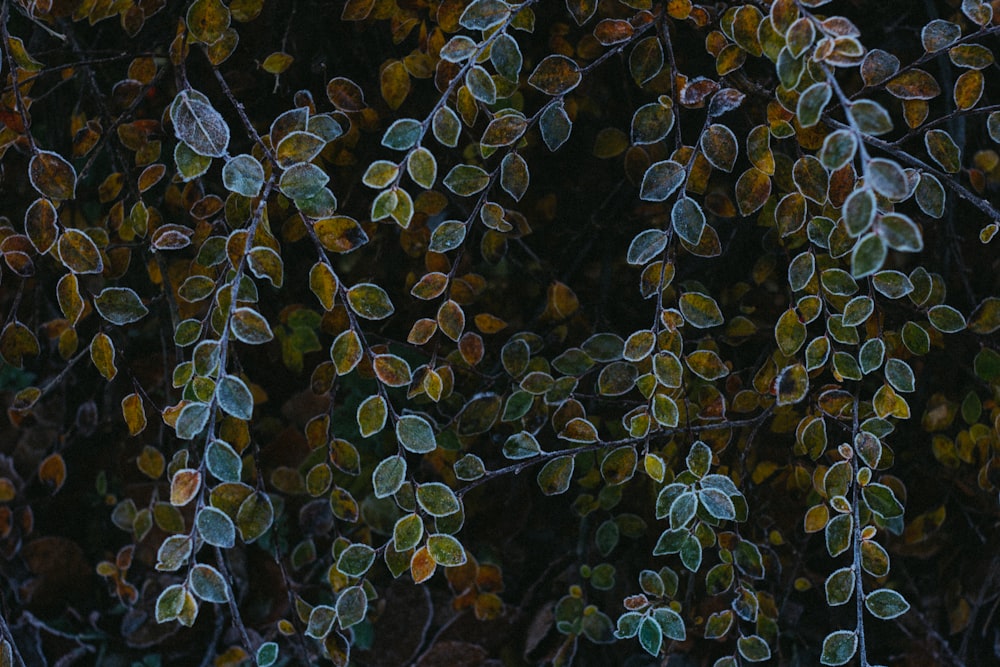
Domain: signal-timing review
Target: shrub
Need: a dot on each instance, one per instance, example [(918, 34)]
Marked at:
[(391, 330)]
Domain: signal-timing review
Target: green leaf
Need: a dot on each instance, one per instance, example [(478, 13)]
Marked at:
[(169, 603), (555, 476), (437, 499), (521, 446), (403, 134), (267, 654), (190, 165), (355, 560), (352, 605), (302, 181), (422, 167), (215, 527), (388, 476), (484, 14), (646, 246), (446, 127), (371, 415), (943, 149), (661, 180), (886, 604), (946, 319), (415, 434), (838, 534), (370, 301), (191, 421), (173, 553), (321, 619), (407, 532), (871, 117), (234, 397), (839, 647), (868, 256), (255, 516), (688, 220), (812, 103), (700, 310), (753, 648), (198, 124), (650, 636), (514, 175), (120, 305), (718, 144), (859, 211), (207, 583), (882, 501), (888, 179), (555, 126), (840, 586), (670, 623), (651, 123), (466, 180), (223, 461), (792, 384), (446, 550), (250, 327)]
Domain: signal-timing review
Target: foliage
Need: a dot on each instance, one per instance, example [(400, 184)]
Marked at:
[(294, 291)]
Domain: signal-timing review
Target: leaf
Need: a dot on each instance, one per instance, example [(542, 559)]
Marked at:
[(370, 301), (388, 476), (352, 605), (415, 434), (943, 149), (169, 603), (646, 60), (887, 178), (394, 84), (914, 84), (345, 95), (792, 385), (234, 397), (753, 648), (504, 130), (302, 181), (120, 305), (555, 126), (371, 415), (484, 14), (102, 353), (812, 103), (79, 253), (466, 180), (192, 420), (839, 647), (207, 583), (243, 175), (688, 220), (40, 225), (700, 310), (752, 190), (207, 20), (198, 124), (946, 319), (215, 527), (555, 476), (939, 34), (840, 586), (646, 246), (445, 550), (661, 180), (555, 75), (868, 255), (719, 146), (437, 499), (254, 517), (356, 560), (651, 123), (650, 636), (886, 604), (250, 327), (52, 175)]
